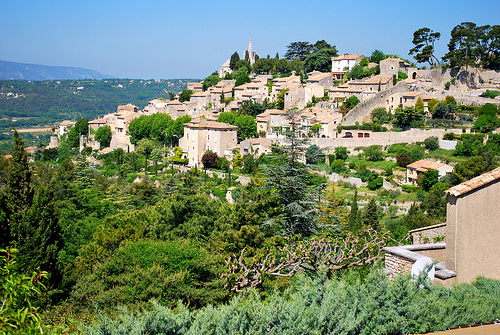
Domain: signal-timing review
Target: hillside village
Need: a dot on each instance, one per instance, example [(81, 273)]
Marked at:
[(319, 192), (318, 101)]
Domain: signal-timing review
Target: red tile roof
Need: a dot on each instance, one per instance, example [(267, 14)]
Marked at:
[(424, 165), (474, 183)]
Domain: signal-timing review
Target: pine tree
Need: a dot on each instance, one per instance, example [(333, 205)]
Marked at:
[(288, 181)]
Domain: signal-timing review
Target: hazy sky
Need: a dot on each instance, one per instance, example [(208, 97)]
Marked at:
[(190, 39)]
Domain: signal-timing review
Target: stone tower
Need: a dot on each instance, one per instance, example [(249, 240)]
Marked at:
[(251, 53)]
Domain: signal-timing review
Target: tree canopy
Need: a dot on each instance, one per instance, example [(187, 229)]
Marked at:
[(423, 41)]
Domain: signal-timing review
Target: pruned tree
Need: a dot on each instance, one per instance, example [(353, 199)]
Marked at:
[(315, 254), (423, 40)]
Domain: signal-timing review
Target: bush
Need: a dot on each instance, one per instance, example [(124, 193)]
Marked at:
[(491, 93), (449, 136), (315, 305), (374, 154), (209, 160), (431, 143), (375, 184), (338, 166)]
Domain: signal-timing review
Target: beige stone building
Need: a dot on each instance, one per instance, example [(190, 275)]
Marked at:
[(422, 166), (391, 66), (118, 122), (255, 146), (328, 120), (65, 126), (201, 135), (344, 63), (473, 228), (321, 78), (195, 86), (472, 234)]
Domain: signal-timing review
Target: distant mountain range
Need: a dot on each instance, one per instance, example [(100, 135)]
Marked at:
[(33, 72)]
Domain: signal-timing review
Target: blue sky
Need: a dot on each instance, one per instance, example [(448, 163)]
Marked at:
[(190, 39)]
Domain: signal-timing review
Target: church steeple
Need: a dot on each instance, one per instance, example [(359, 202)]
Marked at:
[(251, 53), (250, 46)]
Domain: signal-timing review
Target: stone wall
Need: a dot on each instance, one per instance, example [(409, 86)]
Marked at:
[(400, 259), (464, 79), (468, 85), (365, 108), (378, 138), (429, 234), (396, 264)]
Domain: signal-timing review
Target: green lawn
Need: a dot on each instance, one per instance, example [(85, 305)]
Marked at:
[(445, 155), (382, 165)]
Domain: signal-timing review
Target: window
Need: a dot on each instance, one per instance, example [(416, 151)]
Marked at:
[(215, 139), (187, 136), (193, 147), (208, 137)]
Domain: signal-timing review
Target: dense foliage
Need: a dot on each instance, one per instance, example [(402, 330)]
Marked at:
[(320, 306)]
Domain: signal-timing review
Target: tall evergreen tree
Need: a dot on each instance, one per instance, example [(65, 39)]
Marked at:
[(370, 217), (233, 60), (354, 217), (287, 179), (17, 194)]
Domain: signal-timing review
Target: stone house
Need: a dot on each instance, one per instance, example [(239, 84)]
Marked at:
[(195, 86), (328, 120), (264, 120), (156, 106), (201, 135), (391, 66), (472, 234), (118, 122), (223, 87), (199, 100), (344, 63), (312, 90), (329, 124), (294, 96), (371, 85), (421, 166), (280, 84), (473, 227), (321, 78), (255, 146), (65, 126)]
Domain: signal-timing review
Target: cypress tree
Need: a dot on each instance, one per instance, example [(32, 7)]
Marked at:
[(370, 219), (354, 217), (17, 194)]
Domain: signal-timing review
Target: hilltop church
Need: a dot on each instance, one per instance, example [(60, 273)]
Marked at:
[(251, 58)]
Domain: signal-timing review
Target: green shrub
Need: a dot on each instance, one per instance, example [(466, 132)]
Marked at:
[(315, 305), (491, 93)]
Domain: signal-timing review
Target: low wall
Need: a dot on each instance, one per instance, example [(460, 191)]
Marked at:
[(379, 138), (365, 108), (428, 234)]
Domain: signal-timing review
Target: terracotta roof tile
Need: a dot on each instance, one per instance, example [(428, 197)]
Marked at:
[(474, 183)]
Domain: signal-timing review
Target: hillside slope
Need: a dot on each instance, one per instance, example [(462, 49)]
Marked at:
[(34, 72)]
